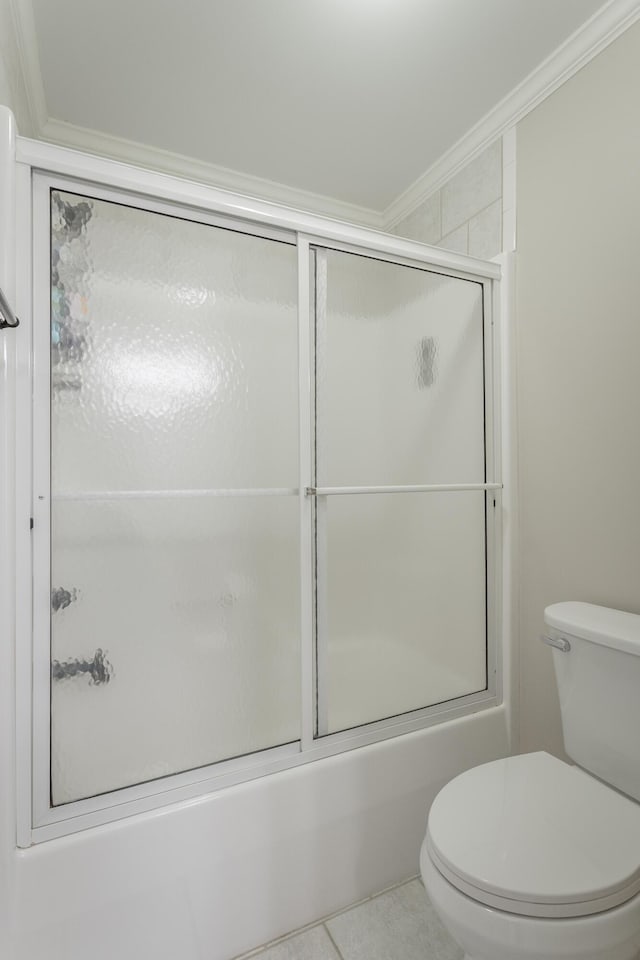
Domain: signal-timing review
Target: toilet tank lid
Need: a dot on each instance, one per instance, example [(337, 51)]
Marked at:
[(610, 628)]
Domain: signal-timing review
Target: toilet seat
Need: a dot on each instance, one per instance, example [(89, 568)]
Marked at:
[(534, 836)]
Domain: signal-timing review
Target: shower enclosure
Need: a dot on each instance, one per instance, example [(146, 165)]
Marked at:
[(265, 494)]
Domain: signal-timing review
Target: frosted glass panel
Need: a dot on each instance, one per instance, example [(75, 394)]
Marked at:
[(405, 595), (175, 624), (174, 352), (401, 605), (193, 604), (400, 394)]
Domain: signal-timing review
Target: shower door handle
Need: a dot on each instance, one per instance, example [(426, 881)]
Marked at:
[(99, 669)]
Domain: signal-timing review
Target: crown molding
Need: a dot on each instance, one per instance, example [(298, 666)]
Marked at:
[(189, 168), (95, 142), (582, 46), (589, 40)]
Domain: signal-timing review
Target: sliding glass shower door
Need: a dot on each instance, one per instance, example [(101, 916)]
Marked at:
[(264, 497), (174, 516), (399, 474)]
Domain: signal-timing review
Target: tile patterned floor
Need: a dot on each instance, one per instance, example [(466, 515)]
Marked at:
[(399, 924)]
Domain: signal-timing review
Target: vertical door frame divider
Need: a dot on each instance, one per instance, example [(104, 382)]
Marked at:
[(320, 505), (493, 498), (305, 375)]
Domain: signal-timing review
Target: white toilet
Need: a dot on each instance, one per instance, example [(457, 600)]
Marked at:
[(531, 858)]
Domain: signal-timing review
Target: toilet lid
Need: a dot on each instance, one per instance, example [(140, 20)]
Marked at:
[(537, 837)]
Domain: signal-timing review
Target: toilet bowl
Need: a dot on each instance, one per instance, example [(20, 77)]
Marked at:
[(532, 858), (488, 934)]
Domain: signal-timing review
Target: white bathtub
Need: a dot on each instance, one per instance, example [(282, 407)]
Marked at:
[(215, 877)]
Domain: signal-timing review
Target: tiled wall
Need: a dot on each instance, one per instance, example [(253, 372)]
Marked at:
[(465, 215)]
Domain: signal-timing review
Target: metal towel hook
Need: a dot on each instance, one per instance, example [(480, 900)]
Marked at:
[(7, 316)]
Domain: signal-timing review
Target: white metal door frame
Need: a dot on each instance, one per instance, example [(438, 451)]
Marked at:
[(204, 205)]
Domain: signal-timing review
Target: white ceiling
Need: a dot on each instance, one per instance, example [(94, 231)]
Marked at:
[(349, 99)]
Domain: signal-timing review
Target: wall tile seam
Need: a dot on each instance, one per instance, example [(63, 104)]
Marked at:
[(484, 210), (400, 227), (475, 214), (397, 229), (494, 195), (465, 223), (463, 226), (498, 199), (485, 251), (493, 228)]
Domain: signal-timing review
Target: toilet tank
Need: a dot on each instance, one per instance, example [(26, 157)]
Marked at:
[(598, 681)]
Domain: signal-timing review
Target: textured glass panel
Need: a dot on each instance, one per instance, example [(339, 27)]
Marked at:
[(405, 595), (401, 375), (194, 605), (174, 352), (174, 370)]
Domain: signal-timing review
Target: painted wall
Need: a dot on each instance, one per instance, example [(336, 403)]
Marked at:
[(13, 93), (465, 214), (578, 201)]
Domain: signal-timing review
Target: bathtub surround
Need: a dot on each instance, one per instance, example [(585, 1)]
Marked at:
[(465, 214), (215, 877)]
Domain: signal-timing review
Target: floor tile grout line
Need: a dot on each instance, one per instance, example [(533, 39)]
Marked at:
[(322, 921), (335, 945)]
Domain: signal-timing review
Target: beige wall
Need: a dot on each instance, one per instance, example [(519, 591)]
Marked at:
[(578, 318)]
